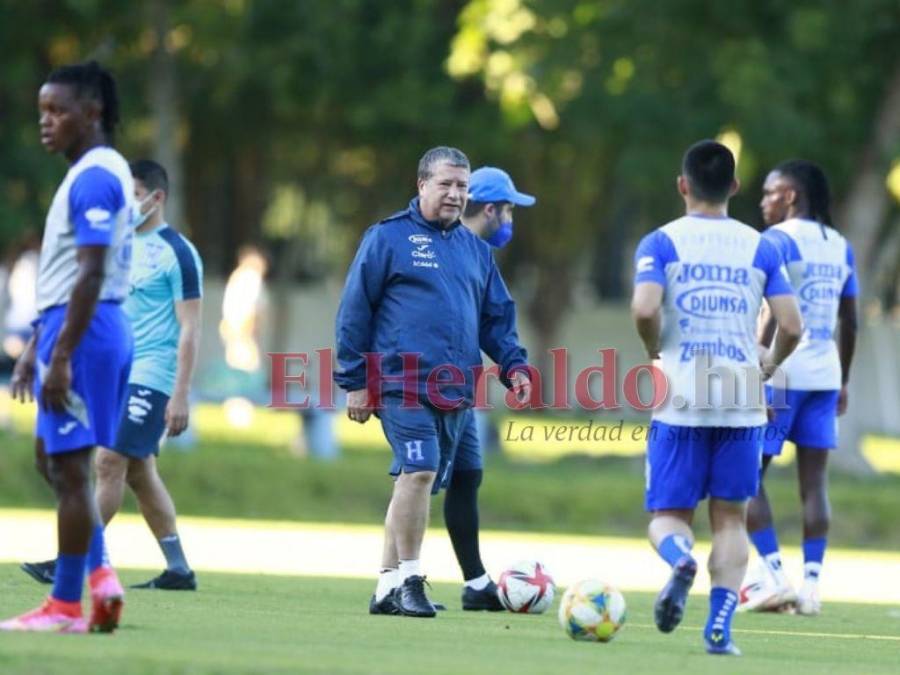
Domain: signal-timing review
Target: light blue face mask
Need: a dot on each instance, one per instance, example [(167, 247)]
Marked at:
[(139, 218), (502, 236)]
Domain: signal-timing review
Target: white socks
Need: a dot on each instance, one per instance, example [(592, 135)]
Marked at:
[(776, 568), (388, 580), (479, 583), (811, 571), (408, 568)]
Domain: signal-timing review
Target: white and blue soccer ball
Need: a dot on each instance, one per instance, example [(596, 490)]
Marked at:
[(526, 587), (592, 611)]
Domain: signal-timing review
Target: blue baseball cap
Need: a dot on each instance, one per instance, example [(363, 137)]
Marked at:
[(489, 184)]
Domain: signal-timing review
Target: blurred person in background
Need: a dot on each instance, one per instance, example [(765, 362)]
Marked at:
[(489, 214), (241, 382), (21, 293), (243, 310)]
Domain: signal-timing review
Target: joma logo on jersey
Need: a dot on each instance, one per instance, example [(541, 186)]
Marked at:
[(719, 273), (712, 302), (822, 271)]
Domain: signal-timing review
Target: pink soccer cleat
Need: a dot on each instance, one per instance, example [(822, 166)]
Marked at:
[(107, 600), (54, 616)]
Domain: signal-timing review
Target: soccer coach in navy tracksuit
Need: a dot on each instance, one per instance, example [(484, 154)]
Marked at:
[(424, 286)]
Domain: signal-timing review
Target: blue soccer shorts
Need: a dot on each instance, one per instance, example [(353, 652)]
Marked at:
[(806, 418), (468, 453), (100, 367), (422, 438), (687, 464), (143, 422)]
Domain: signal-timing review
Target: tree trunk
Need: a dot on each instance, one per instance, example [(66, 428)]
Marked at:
[(866, 205), (861, 219), (163, 95)]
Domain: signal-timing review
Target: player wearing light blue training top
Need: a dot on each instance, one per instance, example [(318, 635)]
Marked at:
[(819, 262), (164, 310), (699, 284), (79, 358)]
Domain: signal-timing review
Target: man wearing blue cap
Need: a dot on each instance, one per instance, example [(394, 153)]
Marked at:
[(492, 198), (488, 213)]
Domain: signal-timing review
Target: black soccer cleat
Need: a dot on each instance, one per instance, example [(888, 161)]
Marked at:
[(171, 580), (669, 608), (41, 572), (385, 606), (484, 600), (411, 600)]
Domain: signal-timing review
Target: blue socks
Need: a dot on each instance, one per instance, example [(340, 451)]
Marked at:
[(675, 547), (765, 541), (722, 603), (69, 580), (813, 555), (71, 569), (96, 556)]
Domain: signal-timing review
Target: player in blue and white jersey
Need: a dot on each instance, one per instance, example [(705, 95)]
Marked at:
[(163, 308), (819, 262), (699, 284), (79, 358)]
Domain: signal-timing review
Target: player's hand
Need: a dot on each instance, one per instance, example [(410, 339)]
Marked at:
[(358, 408), (521, 386), (767, 365), (21, 384), (842, 400), (178, 414), (56, 385)]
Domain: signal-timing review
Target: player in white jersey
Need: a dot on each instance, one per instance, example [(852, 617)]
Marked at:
[(699, 284), (79, 359), (819, 261)]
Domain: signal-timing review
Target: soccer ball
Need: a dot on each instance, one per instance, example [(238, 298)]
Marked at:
[(592, 611), (526, 587)]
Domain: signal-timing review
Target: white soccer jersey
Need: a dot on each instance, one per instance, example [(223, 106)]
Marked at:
[(92, 207), (715, 272), (820, 266)]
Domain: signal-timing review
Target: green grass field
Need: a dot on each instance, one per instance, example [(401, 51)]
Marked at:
[(574, 495), (267, 624)]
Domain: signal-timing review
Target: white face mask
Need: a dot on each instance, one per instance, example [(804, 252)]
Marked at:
[(139, 217)]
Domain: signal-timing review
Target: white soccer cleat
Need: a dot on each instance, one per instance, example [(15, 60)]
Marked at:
[(759, 595), (808, 601), (787, 599), (762, 592)]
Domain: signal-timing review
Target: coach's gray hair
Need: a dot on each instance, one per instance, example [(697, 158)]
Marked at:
[(442, 153)]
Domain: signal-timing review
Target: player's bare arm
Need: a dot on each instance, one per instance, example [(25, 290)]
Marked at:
[(178, 410), (786, 313), (80, 310), (645, 310), (848, 326), (765, 326)]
